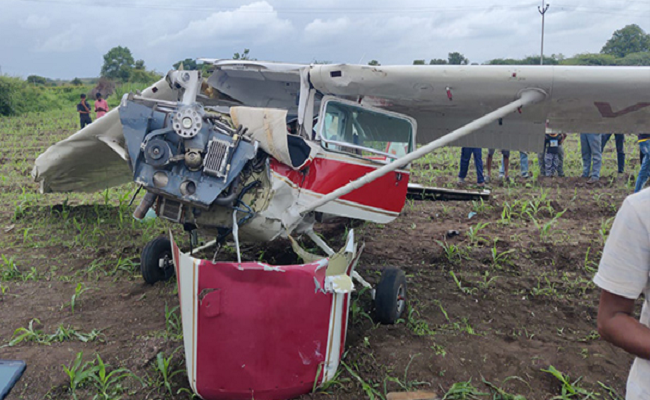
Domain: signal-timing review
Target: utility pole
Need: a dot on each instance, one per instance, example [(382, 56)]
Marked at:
[(542, 10)]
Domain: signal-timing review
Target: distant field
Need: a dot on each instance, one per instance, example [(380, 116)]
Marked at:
[(506, 308)]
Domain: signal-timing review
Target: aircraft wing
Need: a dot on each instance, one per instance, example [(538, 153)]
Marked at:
[(441, 98), (94, 158), (445, 97)]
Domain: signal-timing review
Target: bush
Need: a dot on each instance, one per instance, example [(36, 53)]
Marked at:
[(19, 97)]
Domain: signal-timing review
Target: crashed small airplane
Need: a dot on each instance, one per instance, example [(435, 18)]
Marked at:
[(263, 150)]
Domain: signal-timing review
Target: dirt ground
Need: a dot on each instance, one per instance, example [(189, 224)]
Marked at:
[(491, 309)]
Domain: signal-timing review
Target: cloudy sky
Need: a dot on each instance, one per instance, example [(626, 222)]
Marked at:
[(67, 38)]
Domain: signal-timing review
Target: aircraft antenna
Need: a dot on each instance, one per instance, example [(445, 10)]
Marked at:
[(542, 10)]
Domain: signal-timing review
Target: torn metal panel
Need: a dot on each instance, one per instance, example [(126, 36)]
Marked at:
[(269, 127), (223, 306)]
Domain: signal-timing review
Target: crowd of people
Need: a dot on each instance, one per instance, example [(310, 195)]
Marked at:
[(551, 159), (83, 108)]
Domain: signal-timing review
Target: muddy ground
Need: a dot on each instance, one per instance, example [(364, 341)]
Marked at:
[(506, 299)]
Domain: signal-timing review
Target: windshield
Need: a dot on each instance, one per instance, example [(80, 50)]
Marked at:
[(370, 133)]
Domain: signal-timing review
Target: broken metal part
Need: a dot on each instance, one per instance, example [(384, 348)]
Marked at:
[(190, 81), (144, 206)]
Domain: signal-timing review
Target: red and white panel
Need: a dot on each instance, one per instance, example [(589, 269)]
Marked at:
[(256, 331)]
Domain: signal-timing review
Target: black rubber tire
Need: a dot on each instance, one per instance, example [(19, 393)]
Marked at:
[(390, 296), (150, 260)]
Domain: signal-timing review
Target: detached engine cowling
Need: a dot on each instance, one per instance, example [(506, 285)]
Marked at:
[(179, 151)]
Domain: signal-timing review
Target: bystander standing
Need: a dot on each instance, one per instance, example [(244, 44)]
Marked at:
[(84, 112), (590, 145), (101, 106), (465, 156)]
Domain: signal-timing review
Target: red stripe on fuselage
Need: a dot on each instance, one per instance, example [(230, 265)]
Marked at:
[(324, 175)]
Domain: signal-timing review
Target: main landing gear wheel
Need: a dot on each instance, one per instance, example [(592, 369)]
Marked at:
[(390, 296), (156, 263)]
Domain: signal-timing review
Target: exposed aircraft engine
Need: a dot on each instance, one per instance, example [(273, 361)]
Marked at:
[(181, 154)]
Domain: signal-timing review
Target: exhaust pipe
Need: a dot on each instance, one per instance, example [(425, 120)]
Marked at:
[(144, 206)]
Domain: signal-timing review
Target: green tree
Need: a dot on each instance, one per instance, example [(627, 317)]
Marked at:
[(37, 80), (456, 58), (437, 61), (591, 59), (139, 65), (188, 64), (641, 59), (118, 63), (630, 39), (243, 56), (374, 63), (418, 62), (143, 76), (77, 82)]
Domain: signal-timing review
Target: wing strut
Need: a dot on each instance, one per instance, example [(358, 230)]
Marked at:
[(526, 97)]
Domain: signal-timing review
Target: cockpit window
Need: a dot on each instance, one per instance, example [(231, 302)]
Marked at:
[(364, 132)]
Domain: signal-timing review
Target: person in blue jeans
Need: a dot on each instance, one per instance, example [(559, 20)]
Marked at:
[(523, 165), (465, 156), (590, 145), (644, 171), (620, 149)]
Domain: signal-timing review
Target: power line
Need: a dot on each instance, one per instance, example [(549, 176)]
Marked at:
[(288, 10)]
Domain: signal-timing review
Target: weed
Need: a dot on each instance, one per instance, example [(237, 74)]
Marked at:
[(78, 373), (568, 389), (590, 266), (611, 392), (418, 326), (473, 232), (463, 391), (62, 334), (78, 291), (336, 380), (466, 290), (29, 334), (500, 394), (485, 283), (499, 259), (506, 214), (8, 270), (126, 265), (173, 325), (480, 206), (368, 388), (605, 226), (162, 366), (404, 383), (357, 310), (109, 382), (545, 228), (453, 252)]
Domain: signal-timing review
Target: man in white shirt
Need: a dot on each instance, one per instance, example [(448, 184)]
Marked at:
[(623, 275)]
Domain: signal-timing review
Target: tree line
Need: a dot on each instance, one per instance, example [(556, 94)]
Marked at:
[(627, 46)]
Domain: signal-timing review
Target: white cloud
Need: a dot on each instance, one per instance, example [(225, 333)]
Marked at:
[(257, 22), (162, 32), (34, 22), (69, 40), (322, 30)]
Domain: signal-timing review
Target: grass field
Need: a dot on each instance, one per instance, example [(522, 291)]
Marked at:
[(505, 310)]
